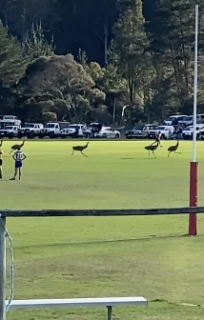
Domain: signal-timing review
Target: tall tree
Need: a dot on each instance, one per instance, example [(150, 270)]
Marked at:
[(12, 66), (130, 42), (172, 45), (36, 45), (19, 15)]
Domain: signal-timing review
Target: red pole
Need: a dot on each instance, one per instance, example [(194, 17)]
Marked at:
[(193, 199)]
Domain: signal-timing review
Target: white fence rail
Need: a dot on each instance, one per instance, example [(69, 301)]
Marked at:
[(79, 302)]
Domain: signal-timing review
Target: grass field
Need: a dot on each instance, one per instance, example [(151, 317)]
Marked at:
[(71, 257)]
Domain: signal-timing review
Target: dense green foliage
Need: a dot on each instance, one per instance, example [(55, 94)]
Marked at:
[(147, 65)]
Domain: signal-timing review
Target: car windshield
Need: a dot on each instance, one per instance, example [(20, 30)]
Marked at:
[(49, 125), (138, 128), (188, 118), (29, 125), (73, 126), (8, 117), (188, 128), (161, 128), (150, 127), (171, 118)]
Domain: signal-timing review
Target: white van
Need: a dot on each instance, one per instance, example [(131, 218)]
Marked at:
[(166, 131)]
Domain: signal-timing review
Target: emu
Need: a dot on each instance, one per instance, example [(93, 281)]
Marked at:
[(80, 148), (152, 148), (1, 142), (173, 149), (15, 146)]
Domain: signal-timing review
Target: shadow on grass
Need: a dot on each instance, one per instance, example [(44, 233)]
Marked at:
[(91, 242)]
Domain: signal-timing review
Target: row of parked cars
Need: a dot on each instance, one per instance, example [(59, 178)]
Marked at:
[(175, 127), (11, 127)]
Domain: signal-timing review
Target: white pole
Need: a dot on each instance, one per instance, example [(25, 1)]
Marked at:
[(2, 269), (195, 84)]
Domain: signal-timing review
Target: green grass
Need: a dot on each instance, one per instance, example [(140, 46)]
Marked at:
[(71, 257)]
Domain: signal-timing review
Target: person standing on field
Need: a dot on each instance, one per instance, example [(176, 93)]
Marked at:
[(158, 139), (18, 157), (1, 163)]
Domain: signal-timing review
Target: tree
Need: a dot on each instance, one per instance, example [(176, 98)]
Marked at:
[(115, 86), (12, 66), (20, 15), (130, 42), (63, 81), (36, 45), (171, 37)]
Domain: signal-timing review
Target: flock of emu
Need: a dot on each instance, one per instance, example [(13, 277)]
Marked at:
[(151, 148)]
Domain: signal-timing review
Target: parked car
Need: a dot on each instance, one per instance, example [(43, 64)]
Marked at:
[(107, 132), (31, 130), (71, 131), (150, 130), (10, 132), (53, 129), (166, 131), (7, 123), (200, 118), (94, 127), (136, 133), (187, 133), (188, 121), (174, 120), (11, 118)]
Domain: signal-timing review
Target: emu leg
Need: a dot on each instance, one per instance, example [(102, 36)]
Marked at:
[(169, 153), (72, 152), (84, 154), (154, 154)]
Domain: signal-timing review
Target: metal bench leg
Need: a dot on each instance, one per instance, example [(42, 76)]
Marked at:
[(109, 313)]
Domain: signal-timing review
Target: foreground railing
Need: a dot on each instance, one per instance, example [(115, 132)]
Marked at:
[(71, 213)]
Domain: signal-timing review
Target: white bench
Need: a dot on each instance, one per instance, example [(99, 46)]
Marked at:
[(78, 302)]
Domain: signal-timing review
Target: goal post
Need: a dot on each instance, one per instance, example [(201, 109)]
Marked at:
[(194, 165), (2, 268)]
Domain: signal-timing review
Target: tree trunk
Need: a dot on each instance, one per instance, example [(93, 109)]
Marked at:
[(114, 109), (105, 43)]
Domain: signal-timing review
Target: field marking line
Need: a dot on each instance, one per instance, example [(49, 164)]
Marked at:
[(191, 305)]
